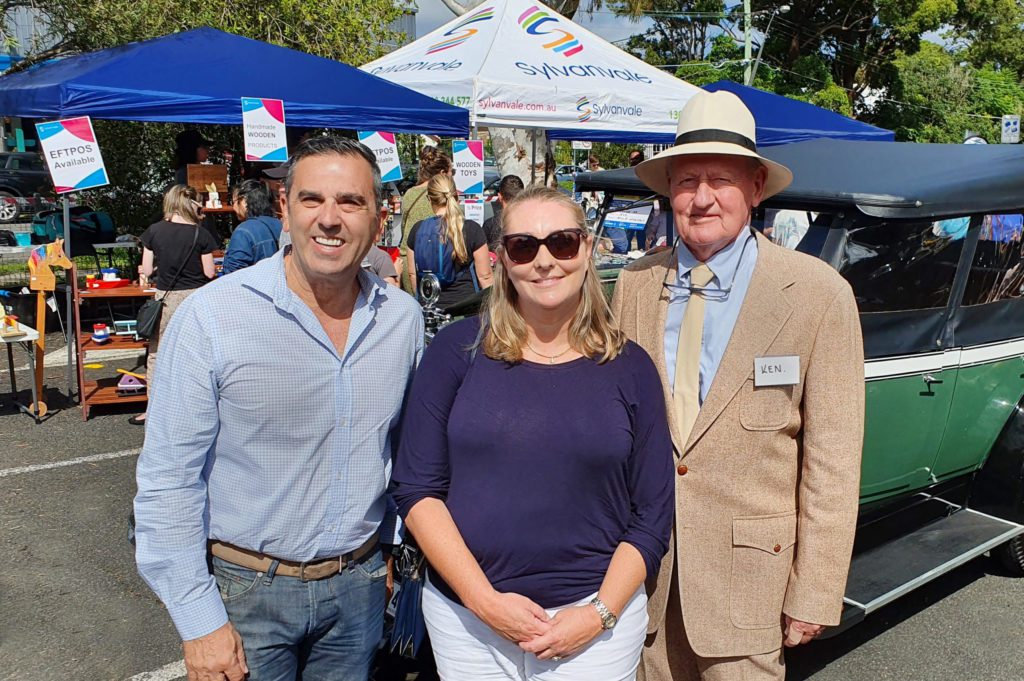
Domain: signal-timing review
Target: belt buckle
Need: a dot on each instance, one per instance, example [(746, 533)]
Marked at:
[(322, 561)]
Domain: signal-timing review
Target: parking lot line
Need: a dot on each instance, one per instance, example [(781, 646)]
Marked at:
[(7, 472), (175, 670)]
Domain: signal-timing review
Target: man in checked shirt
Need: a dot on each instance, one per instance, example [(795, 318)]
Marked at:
[(268, 454)]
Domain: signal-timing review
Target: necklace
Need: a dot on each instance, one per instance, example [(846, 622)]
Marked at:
[(550, 358)]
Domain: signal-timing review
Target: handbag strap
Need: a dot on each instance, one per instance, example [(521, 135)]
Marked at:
[(413, 204), (195, 238)]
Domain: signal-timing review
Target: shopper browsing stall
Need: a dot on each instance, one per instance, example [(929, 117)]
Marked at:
[(180, 254), (449, 246)]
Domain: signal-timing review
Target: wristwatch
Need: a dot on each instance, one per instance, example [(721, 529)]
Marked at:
[(608, 620)]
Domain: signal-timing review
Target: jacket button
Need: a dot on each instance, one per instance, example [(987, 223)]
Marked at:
[(682, 469), (778, 548)]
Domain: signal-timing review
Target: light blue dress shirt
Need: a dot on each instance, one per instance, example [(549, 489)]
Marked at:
[(262, 435), (732, 266)]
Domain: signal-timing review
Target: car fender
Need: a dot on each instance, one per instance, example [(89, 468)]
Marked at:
[(998, 487)]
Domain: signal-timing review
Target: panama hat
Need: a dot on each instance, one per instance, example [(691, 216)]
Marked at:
[(713, 123)]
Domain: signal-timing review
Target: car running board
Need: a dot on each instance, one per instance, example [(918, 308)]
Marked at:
[(882, 574)]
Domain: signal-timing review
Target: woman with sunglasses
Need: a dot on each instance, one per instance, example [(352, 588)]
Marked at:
[(453, 248), (535, 468), (180, 251)]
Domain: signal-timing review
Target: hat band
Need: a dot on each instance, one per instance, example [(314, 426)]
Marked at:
[(715, 135)]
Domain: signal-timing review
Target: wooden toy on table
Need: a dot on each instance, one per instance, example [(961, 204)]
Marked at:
[(42, 280), (131, 383)]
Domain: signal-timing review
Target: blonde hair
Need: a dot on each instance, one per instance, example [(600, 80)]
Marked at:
[(593, 332), (441, 192), (181, 200)]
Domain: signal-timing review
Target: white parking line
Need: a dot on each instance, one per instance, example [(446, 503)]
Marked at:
[(175, 670), (6, 472)]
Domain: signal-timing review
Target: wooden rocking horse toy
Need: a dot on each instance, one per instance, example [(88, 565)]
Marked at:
[(42, 281)]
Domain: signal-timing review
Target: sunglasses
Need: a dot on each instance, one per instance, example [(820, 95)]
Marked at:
[(562, 245)]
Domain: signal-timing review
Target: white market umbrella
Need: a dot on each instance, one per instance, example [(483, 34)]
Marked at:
[(518, 63)]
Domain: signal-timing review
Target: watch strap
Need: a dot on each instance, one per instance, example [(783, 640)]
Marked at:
[(608, 619)]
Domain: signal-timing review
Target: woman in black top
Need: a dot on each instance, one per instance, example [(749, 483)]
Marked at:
[(463, 239), (181, 254)]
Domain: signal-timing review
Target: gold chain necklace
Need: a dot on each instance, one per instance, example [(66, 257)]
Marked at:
[(550, 358)]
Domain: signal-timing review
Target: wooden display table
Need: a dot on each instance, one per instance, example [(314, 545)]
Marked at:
[(104, 391), (26, 339)]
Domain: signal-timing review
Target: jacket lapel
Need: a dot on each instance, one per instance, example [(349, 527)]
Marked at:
[(650, 326), (762, 316)]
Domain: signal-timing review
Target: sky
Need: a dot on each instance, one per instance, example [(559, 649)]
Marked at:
[(432, 13)]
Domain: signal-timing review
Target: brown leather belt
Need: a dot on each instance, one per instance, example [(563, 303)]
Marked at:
[(309, 571)]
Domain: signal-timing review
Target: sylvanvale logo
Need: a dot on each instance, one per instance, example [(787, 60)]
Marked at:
[(565, 44), (587, 111), (459, 33), (583, 106)]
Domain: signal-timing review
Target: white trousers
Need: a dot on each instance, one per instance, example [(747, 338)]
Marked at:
[(466, 649)]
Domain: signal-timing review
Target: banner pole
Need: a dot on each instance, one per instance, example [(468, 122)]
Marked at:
[(69, 319)]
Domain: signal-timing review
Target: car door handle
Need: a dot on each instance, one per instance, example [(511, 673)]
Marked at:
[(929, 379)]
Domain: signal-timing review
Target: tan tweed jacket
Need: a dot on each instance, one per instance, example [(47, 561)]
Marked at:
[(767, 484)]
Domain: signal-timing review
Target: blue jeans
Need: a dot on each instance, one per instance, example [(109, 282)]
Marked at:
[(324, 630)]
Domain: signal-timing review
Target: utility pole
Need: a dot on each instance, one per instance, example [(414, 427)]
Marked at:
[(747, 65)]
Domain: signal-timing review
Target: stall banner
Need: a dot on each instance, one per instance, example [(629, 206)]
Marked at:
[(521, 64), (469, 166), (473, 209), (264, 130), (72, 154), (384, 147), (631, 218)]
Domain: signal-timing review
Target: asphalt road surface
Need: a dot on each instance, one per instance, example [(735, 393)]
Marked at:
[(72, 606)]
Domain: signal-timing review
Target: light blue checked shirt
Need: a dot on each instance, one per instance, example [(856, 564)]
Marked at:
[(261, 435), (733, 267)]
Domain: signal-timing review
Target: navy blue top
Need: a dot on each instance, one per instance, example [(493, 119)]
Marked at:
[(545, 469)]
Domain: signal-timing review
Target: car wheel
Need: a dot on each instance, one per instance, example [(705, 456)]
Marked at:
[(8, 209), (1012, 555)]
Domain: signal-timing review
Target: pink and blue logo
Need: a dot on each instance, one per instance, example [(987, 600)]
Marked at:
[(460, 32), (565, 43), (72, 154), (583, 107)]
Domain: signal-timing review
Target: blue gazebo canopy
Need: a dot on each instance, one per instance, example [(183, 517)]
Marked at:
[(781, 120), (200, 76)]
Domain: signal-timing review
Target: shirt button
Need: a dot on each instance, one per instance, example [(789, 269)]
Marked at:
[(682, 470), (331, 528), (778, 548)]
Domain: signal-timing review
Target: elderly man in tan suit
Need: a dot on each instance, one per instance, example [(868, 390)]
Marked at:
[(760, 352)]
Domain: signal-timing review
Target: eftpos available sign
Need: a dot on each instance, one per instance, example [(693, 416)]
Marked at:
[(264, 130), (469, 166), (383, 146), (72, 154)]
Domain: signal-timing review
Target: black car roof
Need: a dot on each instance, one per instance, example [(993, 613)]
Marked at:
[(881, 179)]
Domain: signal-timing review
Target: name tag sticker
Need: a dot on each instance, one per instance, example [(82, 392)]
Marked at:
[(784, 370)]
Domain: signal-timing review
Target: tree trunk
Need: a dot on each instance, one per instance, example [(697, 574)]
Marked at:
[(514, 153)]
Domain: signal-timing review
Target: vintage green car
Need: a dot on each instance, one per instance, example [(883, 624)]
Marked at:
[(930, 239)]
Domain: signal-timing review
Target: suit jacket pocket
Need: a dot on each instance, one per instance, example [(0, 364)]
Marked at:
[(762, 556), (766, 408)]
